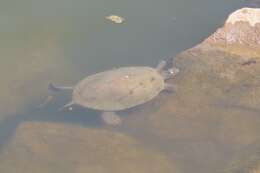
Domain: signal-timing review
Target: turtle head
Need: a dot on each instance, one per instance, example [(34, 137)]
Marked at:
[(170, 73)]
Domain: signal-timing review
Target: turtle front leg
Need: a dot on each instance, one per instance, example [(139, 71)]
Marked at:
[(170, 87), (111, 118), (161, 65)]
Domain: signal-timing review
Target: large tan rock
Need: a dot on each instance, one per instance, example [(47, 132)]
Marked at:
[(214, 112), (240, 33), (54, 147), (217, 98)]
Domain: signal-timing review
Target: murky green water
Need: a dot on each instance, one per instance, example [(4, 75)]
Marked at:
[(62, 41)]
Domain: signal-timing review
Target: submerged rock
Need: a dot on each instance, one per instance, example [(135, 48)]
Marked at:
[(53, 147), (213, 86), (214, 112)]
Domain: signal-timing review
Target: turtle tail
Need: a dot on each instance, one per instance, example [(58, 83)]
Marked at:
[(54, 88)]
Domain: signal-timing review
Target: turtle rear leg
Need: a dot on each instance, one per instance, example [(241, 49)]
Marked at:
[(67, 106), (54, 88), (46, 101), (111, 118)]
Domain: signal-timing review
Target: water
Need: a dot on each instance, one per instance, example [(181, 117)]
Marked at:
[(63, 41)]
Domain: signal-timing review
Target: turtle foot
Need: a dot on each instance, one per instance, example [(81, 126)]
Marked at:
[(111, 118)]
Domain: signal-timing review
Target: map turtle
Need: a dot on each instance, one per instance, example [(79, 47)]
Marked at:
[(119, 89)]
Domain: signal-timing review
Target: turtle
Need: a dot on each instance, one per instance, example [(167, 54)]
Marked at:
[(119, 89)]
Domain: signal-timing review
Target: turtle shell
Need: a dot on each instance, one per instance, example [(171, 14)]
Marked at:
[(118, 89)]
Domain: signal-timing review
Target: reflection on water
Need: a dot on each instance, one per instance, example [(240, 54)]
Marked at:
[(63, 41), (253, 3)]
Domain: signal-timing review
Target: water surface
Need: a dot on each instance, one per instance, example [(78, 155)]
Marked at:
[(62, 41)]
